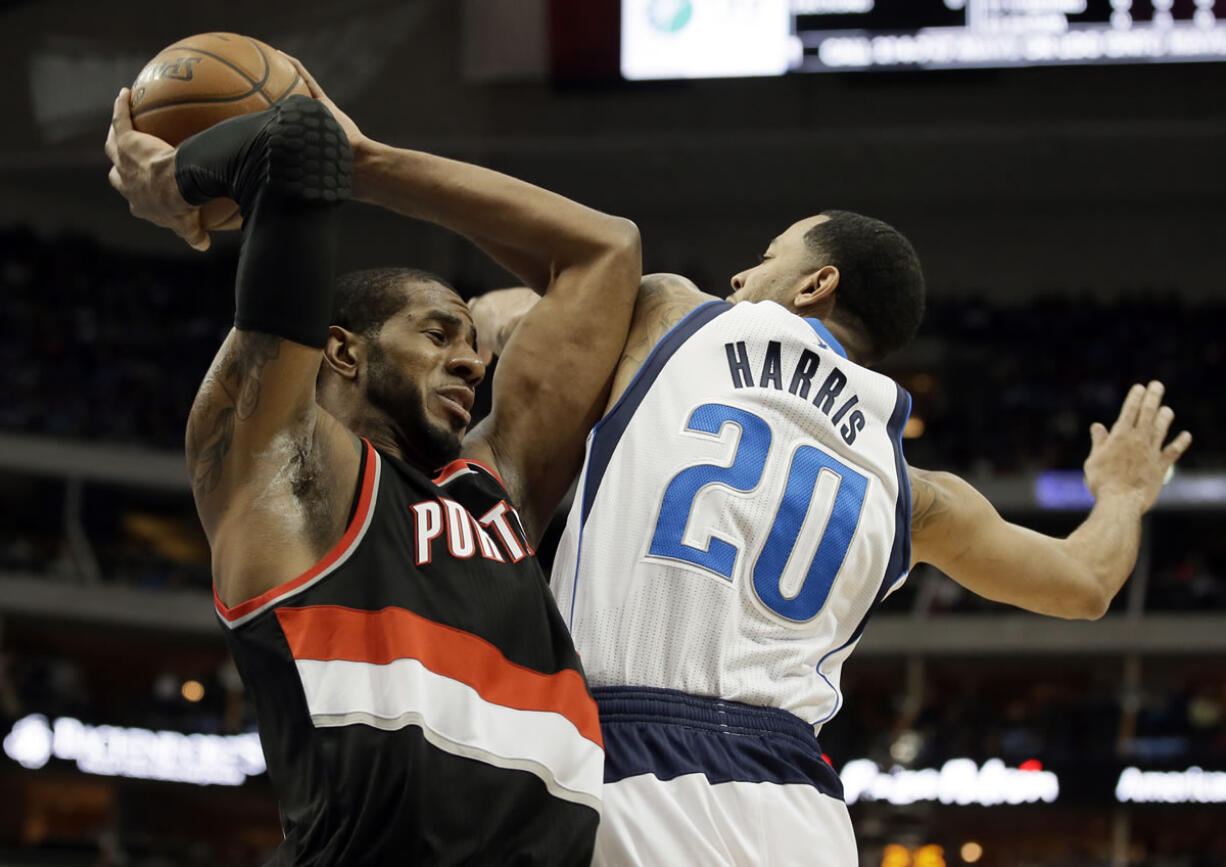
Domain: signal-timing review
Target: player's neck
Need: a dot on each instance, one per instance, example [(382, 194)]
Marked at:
[(851, 341), (391, 438), (362, 419)]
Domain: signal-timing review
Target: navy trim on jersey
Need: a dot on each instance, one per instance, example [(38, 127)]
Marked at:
[(824, 335), (668, 734), (900, 553), (608, 431)]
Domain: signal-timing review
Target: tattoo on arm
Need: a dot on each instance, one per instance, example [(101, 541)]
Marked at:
[(230, 393), (248, 369), (206, 448), (657, 310), (928, 502)]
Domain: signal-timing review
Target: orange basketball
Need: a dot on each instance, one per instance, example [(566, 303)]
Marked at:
[(206, 78)]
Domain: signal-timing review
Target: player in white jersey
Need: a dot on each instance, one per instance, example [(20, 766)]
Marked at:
[(744, 506)]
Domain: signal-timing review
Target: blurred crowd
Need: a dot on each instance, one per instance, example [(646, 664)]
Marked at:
[(143, 539), (104, 345), (185, 691), (1008, 389), (1062, 716)]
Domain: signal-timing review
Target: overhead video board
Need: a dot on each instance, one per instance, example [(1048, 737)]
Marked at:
[(733, 38)]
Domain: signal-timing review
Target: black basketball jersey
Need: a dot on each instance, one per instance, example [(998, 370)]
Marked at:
[(418, 694)]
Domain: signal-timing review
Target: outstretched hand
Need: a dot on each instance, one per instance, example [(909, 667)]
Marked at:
[(1130, 460), (143, 170)]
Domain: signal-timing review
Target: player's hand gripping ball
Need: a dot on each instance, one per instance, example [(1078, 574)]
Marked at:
[(203, 79)]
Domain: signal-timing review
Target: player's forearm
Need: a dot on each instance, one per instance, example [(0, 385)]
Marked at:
[(1106, 545), (285, 270), (1074, 578), (956, 529), (532, 232)]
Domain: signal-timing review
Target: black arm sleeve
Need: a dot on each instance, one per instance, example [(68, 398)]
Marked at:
[(288, 168)]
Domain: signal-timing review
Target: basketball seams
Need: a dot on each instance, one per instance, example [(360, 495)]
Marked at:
[(267, 69), (254, 89), (283, 94), (256, 85)]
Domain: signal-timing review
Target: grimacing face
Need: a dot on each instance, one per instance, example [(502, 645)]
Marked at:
[(786, 265), (423, 371)]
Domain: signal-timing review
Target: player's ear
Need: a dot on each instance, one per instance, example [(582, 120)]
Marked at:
[(818, 287), (344, 352)]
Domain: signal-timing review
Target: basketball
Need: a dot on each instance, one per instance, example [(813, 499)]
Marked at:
[(204, 79)]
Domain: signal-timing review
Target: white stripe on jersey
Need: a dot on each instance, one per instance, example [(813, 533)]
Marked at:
[(741, 511), (454, 717)]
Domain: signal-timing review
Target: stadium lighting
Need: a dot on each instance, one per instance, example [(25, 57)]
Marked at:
[(914, 428)]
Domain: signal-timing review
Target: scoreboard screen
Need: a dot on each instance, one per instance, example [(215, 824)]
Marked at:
[(732, 38)]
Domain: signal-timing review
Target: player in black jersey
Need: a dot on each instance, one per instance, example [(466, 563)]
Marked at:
[(419, 698)]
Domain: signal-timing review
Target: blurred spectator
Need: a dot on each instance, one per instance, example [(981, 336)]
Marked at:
[(1059, 718)]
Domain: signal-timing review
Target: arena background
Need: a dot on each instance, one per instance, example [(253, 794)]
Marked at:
[(1072, 228)]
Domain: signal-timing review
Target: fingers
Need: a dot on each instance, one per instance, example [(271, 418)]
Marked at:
[(1150, 401), (1132, 405), (193, 233), (1098, 434), (198, 240), (113, 177), (121, 113), (1176, 447), (485, 342), (111, 147), (311, 83), (1162, 423)]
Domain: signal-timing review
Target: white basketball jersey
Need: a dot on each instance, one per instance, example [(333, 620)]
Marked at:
[(741, 510)]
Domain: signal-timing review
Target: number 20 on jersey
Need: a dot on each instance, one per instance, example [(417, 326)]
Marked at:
[(772, 571)]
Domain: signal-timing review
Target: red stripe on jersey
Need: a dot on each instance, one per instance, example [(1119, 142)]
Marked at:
[(451, 470), (338, 550), (379, 637)]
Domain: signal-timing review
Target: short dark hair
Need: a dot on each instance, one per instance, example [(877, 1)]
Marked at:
[(881, 284), (366, 299)]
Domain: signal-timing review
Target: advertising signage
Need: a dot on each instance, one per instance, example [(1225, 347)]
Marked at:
[(992, 783), (34, 741)]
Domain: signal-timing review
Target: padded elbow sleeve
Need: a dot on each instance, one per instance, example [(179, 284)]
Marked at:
[(288, 168)]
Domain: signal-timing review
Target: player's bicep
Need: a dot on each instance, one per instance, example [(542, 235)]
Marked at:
[(257, 399), (956, 529), (941, 517)]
